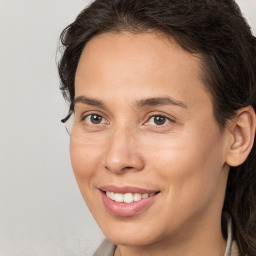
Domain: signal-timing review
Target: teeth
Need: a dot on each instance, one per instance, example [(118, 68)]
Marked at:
[(127, 197), (136, 197), (119, 197), (112, 195), (145, 195)]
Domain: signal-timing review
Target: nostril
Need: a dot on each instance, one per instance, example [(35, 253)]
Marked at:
[(127, 168), (123, 163)]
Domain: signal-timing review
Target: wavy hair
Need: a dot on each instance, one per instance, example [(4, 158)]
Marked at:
[(214, 29)]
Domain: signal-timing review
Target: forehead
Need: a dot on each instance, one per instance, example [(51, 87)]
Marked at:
[(143, 64)]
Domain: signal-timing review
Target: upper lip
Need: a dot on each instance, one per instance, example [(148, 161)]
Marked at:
[(126, 189)]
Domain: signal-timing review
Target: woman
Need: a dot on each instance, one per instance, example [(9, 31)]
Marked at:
[(162, 123)]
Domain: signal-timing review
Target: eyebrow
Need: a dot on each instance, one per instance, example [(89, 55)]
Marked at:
[(140, 103), (160, 101), (88, 101)]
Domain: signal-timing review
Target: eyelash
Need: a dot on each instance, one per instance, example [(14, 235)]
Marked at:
[(83, 119), (166, 119)]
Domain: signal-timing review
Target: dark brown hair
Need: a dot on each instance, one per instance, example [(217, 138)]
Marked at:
[(214, 29)]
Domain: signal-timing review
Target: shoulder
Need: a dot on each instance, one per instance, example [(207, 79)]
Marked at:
[(106, 248)]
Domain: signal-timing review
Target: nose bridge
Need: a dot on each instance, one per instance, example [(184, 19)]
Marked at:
[(121, 153)]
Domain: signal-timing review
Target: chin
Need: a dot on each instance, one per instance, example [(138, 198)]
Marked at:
[(130, 232), (131, 239)]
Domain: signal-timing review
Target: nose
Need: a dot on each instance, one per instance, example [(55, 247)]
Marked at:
[(122, 153)]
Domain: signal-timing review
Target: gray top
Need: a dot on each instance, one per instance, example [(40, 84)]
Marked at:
[(108, 249)]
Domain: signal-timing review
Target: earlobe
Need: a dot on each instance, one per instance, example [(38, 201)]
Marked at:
[(243, 134)]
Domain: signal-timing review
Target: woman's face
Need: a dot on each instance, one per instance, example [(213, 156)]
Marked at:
[(144, 133)]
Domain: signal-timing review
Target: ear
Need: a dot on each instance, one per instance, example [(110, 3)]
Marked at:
[(242, 131)]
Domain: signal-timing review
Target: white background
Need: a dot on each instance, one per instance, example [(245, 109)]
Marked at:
[(41, 210)]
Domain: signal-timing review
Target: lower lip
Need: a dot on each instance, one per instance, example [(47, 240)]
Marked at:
[(127, 209)]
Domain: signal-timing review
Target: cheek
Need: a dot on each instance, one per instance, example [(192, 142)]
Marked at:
[(189, 167), (84, 160)]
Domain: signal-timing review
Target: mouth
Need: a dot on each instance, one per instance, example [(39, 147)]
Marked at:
[(127, 201), (128, 197)]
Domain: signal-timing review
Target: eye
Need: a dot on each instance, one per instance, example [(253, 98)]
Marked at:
[(95, 119), (158, 120)]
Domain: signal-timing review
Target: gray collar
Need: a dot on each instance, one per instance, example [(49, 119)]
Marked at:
[(230, 234)]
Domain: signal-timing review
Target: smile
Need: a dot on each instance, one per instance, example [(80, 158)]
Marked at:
[(128, 197), (127, 201)]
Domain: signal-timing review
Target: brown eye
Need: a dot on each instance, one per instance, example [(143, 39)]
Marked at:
[(95, 119), (159, 120)]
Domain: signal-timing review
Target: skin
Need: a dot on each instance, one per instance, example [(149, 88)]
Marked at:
[(185, 158)]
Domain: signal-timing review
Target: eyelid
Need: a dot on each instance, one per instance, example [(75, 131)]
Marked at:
[(164, 124), (93, 112), (90, 113), (172, 119), (150, 115)]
